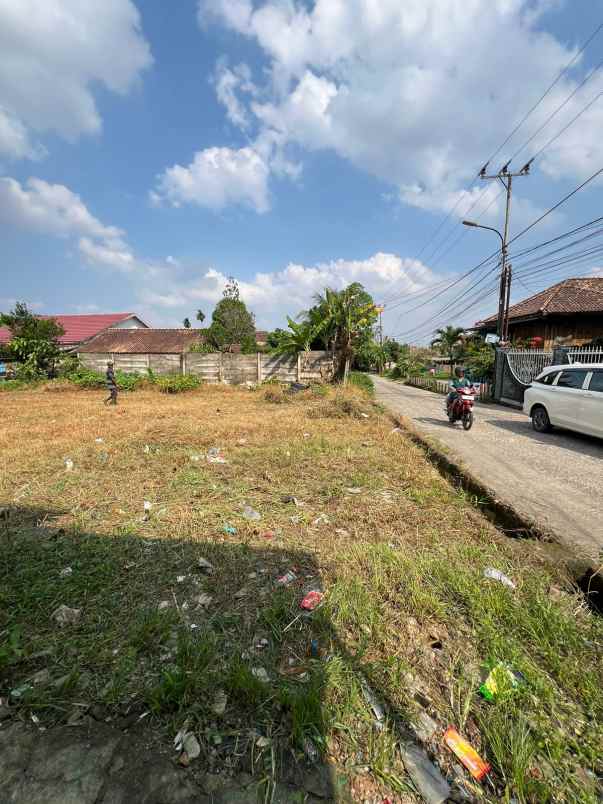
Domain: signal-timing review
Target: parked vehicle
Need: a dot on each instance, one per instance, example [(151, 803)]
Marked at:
[(568, 396), (461, 408)]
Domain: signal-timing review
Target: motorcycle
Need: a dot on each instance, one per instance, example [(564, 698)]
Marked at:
[(461, 408)]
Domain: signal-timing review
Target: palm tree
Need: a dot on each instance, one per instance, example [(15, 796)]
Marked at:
[(448, 341), (299, 339)]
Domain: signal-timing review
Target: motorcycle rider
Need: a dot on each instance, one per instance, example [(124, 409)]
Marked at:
[(459, 381)]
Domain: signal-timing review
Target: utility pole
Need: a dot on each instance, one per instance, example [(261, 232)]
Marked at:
[(379, 308), (504, 293)]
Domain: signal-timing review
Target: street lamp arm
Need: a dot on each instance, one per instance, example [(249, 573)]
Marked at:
[(490, 229)]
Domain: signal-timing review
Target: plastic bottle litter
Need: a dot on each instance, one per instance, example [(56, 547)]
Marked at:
[(261, 674), (219, 704), (311, 600), (204, 566), (288, 578), (230, 530), (250, 514), (65, 573), (69, 465), (497, 575), (371, 699), (425, 775), (213, 456), (467, 754), (99, 440), (501, 681), (147, 509)]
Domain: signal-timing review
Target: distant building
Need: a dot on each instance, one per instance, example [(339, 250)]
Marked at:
[(80, 329), (570, 311)]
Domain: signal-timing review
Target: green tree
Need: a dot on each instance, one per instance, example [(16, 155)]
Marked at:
[(186, 323), (344, 321), (298, 338), (479, 358), (200, 316), (449, 342), (275, 337), (232, 323), (34, 341), (392, 350)]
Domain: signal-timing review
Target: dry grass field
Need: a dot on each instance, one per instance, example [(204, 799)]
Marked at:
[(354, 510)]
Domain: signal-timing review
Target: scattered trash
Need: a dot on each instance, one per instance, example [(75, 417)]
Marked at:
[(288, 578), (147, 509), (311, 600), (203, 600), (497, 575), (296, 387), (191, 746), (66, 616), (261, 644), (204, 566), (65, 573), (261, 674), (426, 777), (269, 534), (99, 440), (69, 464), (321, 519), (371, 699), (241, 593), (263, 742), (180, 578), (310, 750), (288, 498), (354, 490), (314, 649), (501, 680), (295, 520), (342, 532), (230, 530), (307, 435), (214, 456), (424, 727), (20, 692), (396, 430), (241, 442), (164, 604), (195, 458), (219, 704), (364, 415), (250, 514), (467, 754)]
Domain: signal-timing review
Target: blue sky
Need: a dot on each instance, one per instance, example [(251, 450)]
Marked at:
[(147, 155)]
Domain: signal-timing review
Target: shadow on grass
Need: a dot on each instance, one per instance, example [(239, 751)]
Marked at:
[(162, 642)]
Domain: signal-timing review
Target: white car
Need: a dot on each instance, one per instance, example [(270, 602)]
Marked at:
[(568, 396)]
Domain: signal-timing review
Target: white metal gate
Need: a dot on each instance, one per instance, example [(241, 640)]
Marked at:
[(585, 354), (526, 364)]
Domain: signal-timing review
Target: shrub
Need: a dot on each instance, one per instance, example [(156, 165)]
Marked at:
[(88, 378), (177, 383), (14, 385), (363, 381), (276, 395)]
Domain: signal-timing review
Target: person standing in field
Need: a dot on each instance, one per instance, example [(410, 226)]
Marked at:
[(111, 385)]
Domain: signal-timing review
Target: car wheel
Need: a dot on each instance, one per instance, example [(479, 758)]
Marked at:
[(540, 420)]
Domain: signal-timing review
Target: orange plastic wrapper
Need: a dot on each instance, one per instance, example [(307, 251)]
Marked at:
[(467, 754)]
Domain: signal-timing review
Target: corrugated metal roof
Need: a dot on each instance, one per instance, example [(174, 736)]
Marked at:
[(144, 341), (79, 328), (580, 295)]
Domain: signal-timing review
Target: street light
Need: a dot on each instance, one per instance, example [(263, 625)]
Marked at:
[(505, 281)]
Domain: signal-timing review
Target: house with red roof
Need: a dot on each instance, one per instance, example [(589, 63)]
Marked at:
[(80, 329), (570, 311)]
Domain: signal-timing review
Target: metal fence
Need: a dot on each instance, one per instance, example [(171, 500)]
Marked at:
[(585, 354), (526, 364)]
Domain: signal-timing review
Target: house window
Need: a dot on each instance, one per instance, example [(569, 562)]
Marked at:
[(596, 381), (571, 379)]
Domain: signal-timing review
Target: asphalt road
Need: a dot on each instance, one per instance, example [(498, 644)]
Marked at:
[(554, 479)]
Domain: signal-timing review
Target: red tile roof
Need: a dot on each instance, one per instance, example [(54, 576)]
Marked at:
[(581, 295), (78, 328), (143, 341)]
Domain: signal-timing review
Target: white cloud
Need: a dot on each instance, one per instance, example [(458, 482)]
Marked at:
[(272, 296), (54, 209), (216, 178), (229, 83), (49, 208), (415, 93), (51, 55)]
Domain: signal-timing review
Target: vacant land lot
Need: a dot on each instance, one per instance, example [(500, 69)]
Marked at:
[(353, 510)]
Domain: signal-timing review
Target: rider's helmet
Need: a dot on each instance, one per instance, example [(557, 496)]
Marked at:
[(459, 372)]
